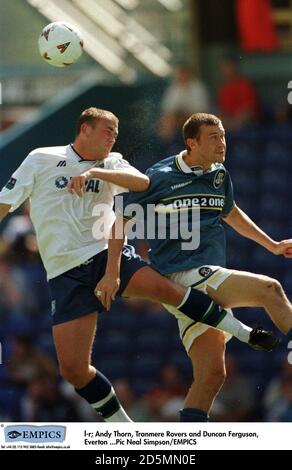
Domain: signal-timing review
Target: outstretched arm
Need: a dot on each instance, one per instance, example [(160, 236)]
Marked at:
[(108, 286), (4, 209), (128, 178), (239, 221)]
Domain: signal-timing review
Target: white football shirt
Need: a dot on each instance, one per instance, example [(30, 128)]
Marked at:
[(69, 229)]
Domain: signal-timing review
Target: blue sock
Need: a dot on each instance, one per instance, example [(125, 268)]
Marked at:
[(100, 395), (200, 308), (193, 415), (289, 335)]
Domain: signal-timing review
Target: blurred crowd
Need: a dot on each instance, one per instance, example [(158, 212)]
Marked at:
[(236, 101)]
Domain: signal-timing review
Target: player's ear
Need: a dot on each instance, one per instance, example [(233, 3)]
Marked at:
[(191, 143), (85, 128)]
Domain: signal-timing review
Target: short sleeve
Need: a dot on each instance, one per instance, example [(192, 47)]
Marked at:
[(117, 162), (229, 198), (141, 199), (20, 185)]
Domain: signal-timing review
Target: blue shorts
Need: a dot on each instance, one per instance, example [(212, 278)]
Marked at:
[(73, 291)]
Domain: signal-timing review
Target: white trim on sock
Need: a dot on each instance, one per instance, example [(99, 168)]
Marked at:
[(120, 416), (100, 403), (186, 296)]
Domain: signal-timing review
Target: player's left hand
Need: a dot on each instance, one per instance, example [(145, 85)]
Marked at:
[(284, 248), (106, 290)]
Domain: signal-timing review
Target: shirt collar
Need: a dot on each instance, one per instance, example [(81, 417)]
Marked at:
[(81, 159), (195, 170)]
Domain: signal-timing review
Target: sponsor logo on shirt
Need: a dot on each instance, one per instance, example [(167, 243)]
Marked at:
[(202, 201), (62, 163), (61, 182), (90, 186), (181, 185), (11, 183), (219, 178)]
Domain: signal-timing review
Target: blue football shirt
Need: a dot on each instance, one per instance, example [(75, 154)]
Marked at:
[(178, 192)]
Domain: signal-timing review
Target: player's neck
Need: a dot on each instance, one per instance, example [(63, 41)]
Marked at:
[(194, 160), (86, 153)]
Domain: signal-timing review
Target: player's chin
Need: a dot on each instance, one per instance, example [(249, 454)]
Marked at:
[(220, 157), (107, 150), (105, 153)]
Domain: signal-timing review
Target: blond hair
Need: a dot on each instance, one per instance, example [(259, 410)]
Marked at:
[(93, 115)]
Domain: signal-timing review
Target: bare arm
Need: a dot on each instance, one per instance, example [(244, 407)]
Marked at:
[(131, 179), (4, 209), (239, 221), (108, 286)]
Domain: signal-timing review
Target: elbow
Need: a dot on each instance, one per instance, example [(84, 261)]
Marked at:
[(143, 183)]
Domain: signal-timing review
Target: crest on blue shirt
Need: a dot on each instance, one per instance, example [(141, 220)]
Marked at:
[(205, 271), (219, 178)]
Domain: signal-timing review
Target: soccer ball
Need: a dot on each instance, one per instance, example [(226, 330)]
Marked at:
[(60, 44)]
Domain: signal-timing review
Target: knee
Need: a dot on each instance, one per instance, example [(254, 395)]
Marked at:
[(73, 374), (215, 378), (273, 288)]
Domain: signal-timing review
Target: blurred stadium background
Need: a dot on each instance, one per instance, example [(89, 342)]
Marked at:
[(133, 50)]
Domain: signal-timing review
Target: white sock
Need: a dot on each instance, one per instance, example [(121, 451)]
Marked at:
[(229, 324), (118, 416), (235, 327)]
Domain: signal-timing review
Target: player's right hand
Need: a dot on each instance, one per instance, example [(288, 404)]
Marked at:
[(284, 248), (106, 290), (77, 184)]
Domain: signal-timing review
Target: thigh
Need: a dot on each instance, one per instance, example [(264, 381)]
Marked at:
[(73, 340), (148, 284), (72, 295), (240, 289), (207, 353)]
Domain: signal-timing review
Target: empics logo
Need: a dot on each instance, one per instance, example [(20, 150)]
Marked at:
[(14, 434), (35, 433)]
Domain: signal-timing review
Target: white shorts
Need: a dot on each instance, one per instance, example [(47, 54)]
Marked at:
[(200, 279)]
